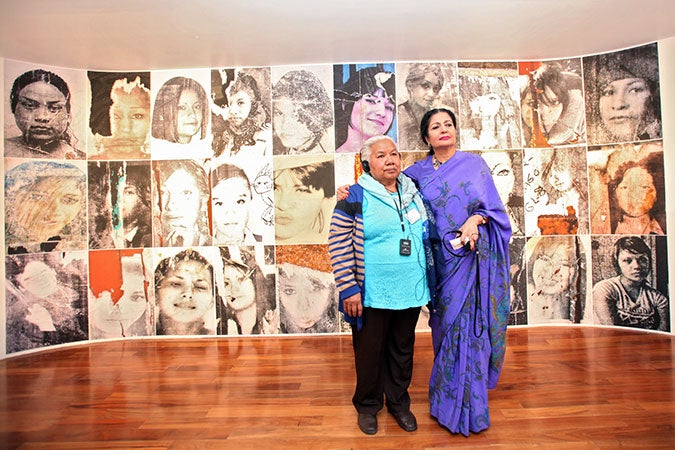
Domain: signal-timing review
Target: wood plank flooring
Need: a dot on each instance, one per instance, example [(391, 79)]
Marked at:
[(561, 387)]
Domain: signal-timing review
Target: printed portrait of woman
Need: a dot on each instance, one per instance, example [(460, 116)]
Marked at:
[(556, 279), (419, 88), (180, 204), (44, 207), (552, 103), (506, 168), (184, 292), (44, 113), (232, 207), (556, 191), (120, 115), (489, 108), (246, 302), (118, 294), (304, 196), (365, 104), (119, 204), (241, 119), (46, 297), (302, 114), (637, 196), (306, 289), (623, 100), (606, 170), (181, 120), (630, 289)]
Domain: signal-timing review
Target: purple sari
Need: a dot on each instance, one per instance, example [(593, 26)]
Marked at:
[(468, 330)]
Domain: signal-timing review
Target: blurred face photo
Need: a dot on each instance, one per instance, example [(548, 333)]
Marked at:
[(45, 208), (636, 193), (185, 294), (502, 173), (180, 202), (41, 114), (486, 106), (130, 117), (231, 199), (553, 270), (623, 104), (287, 126), (239, 292), (305, 294), (189, 118), (38, 279)]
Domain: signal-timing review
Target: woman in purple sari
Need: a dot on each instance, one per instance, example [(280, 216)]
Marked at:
[(468, 319)]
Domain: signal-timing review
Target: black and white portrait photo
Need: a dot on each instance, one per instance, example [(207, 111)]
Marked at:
[(46, 297), (556, 191), (246, 303), (556, 279), (181, 116), (506, 168), (44, 114), (185, 291), (180, 208), (489, 106), (630, 282), (552, 103), (302, 110), (623, 100), (421, 86), (242, 113)]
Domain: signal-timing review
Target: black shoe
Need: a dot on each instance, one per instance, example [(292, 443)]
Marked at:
[(405, 420), (368, 423)]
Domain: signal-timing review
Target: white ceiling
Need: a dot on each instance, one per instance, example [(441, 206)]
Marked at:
[(173, 34)]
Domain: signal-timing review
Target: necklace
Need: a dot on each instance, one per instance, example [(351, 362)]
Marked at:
[(435, 162)]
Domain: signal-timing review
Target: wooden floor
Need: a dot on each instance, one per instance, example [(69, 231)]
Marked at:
[(562, 387)]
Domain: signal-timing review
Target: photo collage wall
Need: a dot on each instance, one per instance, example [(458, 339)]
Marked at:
[(198, 202)]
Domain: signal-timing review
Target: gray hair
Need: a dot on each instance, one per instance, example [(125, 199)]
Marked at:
[(368, 145)]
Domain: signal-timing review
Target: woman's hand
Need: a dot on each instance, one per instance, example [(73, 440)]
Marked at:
[(342, 192), (353, 306), (469, 230)]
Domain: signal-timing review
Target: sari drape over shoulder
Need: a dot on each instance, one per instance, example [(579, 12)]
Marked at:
[(469, 316)]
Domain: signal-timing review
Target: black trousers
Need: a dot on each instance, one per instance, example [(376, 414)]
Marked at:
[(383, 354)]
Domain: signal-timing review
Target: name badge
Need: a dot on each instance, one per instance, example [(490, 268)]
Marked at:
[(413, 215)]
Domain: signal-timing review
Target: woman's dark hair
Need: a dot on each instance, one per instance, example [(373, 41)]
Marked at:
[(638, 62), (317, 176), (424, 123), (226, 171), (165, 113), (632, 244), (33, 76)]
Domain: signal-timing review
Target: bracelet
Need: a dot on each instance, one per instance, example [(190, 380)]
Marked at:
[(483, 220)]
